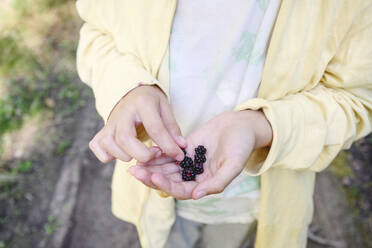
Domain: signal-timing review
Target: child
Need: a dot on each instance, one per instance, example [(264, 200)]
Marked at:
[(280, 123)]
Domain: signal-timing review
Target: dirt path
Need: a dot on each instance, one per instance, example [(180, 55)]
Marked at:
[(93, 223), (82, 199), (333, 219)]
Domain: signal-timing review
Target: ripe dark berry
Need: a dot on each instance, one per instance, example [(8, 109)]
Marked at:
[(200, 150), (186, 162), (184, 151), (188, 174), (198, 168), (192, 168), (198, 158)]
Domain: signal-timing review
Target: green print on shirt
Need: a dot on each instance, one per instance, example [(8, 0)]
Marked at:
[(202, 202), (206, 207), (171, 65), (214, 212), (244, 49), (262, 4), (251, 184)]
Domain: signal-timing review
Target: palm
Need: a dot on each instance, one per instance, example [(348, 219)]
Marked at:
[(229, 144)]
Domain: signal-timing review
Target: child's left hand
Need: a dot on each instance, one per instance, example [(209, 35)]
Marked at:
[(229, 138)]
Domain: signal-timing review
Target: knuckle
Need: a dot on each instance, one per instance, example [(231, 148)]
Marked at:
[(105, 160), (106, 141), (121, 141), (105, 129), (156, 130), (145, 157), (175, 128), (171, 151), (126, 158), (91, 144), (94, 145), (142, 100)]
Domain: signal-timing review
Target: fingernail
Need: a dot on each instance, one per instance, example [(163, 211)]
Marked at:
[(158, 154), (132, 170), (179, 157), (140, 175), (199, 194)]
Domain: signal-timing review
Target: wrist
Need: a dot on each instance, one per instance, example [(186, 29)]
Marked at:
[(261, 128), (154, 87)]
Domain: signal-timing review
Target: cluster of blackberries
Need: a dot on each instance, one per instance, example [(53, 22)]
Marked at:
[(192, 168)]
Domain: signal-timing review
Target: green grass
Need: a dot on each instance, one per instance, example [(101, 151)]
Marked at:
[(25, 93), (28, 7), (340, 166), (17, 105), (47, 4), (23, 167), (63, 145), (28, 83), (15, 57), (51, 226)]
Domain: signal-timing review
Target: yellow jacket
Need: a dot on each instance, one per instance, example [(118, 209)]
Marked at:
[(316, 92)]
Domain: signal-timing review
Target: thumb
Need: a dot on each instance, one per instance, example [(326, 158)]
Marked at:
[(226, 172), (171, 124)]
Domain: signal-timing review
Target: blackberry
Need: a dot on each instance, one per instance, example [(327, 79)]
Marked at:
[(198, 168), (200, 150), (188, 174), (186, 162), (184, 151), (198, 158), (192, 168)]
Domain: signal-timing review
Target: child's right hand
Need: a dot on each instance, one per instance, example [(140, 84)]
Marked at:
[(145, 105)]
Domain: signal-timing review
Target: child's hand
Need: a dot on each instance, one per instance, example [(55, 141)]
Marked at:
[(229, 139), (145, 105)]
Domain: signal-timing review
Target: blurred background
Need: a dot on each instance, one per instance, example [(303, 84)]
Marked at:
[(55, 193)]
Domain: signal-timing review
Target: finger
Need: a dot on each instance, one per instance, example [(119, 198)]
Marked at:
[(157, 151), (215, 184), (179, 190), (175, 177), (171, 123), (165, 169), (163, 159), (126, 139), (142, 175), (156, 130), (108, 144), (98, 151)]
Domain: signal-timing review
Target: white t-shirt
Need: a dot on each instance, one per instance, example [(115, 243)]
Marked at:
[(217, 52)]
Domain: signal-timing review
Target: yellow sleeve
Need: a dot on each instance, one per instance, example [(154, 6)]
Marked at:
[(111, 72), (311, 127)]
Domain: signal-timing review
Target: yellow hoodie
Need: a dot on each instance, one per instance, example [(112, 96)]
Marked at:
[(316, 92)]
